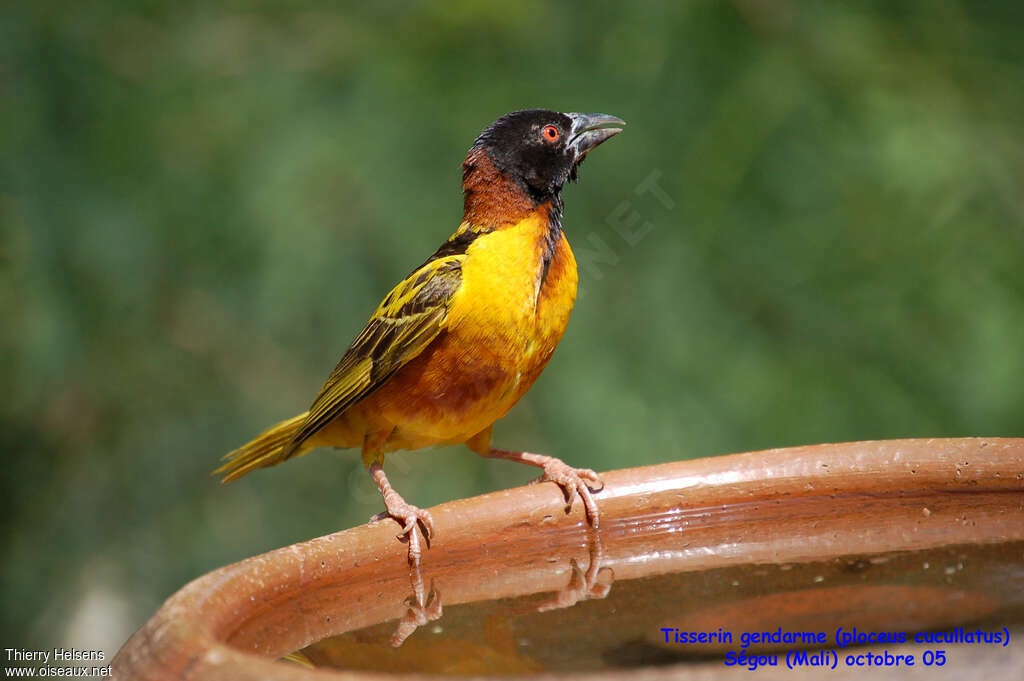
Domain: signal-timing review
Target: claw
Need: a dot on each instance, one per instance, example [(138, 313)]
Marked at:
[(592, 479), (414, 521), (574, 481), (420, 516), (427, 521)]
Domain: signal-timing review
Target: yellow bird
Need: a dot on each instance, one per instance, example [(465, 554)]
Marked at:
[(457, 342)]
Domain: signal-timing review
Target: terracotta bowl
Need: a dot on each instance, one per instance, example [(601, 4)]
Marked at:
[(898, 537)]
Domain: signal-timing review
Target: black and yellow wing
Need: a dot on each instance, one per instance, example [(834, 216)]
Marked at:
[(411, 316)]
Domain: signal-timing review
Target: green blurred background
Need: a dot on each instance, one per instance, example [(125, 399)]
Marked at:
[(201, 203)]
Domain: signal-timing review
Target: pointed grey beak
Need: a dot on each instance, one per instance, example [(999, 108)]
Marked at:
[(589, 130)]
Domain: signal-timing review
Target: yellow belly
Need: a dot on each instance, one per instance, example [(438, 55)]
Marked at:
[(503, 326)]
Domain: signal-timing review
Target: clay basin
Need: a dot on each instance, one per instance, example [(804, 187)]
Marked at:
[(891, 537)]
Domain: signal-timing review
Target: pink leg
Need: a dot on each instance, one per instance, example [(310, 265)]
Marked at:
[(410, 517), (581, 481)]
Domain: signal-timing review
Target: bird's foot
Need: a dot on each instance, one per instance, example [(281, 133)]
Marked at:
[(414, 521), (411, 518), (407, 516), (572, 481)]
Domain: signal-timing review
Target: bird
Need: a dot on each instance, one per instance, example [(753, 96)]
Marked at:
[(455, 345)]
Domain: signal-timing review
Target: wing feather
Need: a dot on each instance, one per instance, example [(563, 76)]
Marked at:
[(411, 316)]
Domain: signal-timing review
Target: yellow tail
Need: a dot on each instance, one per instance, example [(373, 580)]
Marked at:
[(268, 449)]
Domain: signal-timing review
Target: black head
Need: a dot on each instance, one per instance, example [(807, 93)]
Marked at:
[(540, 150)]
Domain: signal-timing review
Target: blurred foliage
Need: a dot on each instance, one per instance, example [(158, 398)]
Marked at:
[(201, 203)]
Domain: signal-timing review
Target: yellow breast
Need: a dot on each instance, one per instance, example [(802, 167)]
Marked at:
[(518, 289)]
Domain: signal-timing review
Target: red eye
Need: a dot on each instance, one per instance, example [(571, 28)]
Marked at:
[(550, 133)]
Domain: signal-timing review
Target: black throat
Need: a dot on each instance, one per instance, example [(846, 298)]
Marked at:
[(551, 237)]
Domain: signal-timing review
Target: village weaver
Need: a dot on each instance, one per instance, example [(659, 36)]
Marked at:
[(456, 344)]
